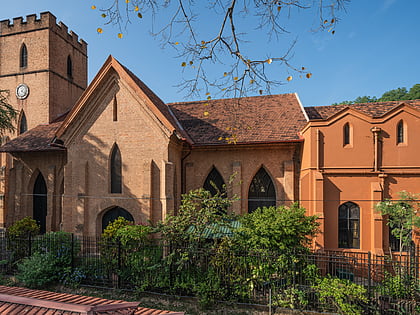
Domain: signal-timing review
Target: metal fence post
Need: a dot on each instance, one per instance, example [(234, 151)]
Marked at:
[(119, 264), (72, 252), (29, 244), (369, 274)]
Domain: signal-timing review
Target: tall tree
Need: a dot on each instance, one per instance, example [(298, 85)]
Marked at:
[(179, 24)]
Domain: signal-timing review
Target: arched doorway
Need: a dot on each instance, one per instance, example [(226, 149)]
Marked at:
[(114, 213), (40, 203)]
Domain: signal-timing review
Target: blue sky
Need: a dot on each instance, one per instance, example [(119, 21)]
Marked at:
[(376, 48)]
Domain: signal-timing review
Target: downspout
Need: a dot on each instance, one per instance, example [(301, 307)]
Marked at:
[(375, 131)]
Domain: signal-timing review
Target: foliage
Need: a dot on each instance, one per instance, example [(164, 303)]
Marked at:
[(292, 297), (399, 286), (7, 113), (52, 255), (224, 40), (198, 215), (346, 296), (398, 94), (72, 277), (402, 217), (23, 227), (39, 270), (110, 232), (277, 228), (19, 235)]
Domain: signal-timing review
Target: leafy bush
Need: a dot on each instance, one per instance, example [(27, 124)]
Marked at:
[(39, 270), (346, 296), (52, 256), (23, 228)]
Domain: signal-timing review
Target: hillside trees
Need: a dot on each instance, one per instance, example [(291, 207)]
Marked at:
[(223, 33), (7, 114)]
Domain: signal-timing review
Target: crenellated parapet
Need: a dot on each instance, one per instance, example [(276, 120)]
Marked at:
[(46, 21)]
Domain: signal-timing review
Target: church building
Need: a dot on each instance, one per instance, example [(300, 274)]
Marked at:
[(83, 155)]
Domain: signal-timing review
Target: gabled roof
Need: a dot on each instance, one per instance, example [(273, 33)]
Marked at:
[(155, 104), (258, 119), (374, 110), (16, 300)]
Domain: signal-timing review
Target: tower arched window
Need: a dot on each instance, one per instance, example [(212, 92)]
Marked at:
[(115, 109), (349, 225), (69, 68), (116, 170), (23, 124), (346, 134), (400, 132), (261, 191), (23, 56)]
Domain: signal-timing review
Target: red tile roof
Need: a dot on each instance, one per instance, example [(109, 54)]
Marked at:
[(374, 110), (271, 118), (34, 140), (16, 300)]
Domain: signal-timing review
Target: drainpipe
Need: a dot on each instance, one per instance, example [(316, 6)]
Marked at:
[(376, 131)]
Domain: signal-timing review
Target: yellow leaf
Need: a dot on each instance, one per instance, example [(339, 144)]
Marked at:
[(206, 113), (139, 15), (203, 42), (309, 75), (183, 64), (269, 61), (99, 30), (289, 78), (227, 128), (251, 81), (191, 63), (209, 97), (220, 138), (235, 78), (333, 32), (103, 15), (225, 74), (136, 8), (303, 68), (208, 93), (224, 89), (120, 35), (176, 43), (93, 7), (332, 21), (127, 1), (279, 8), (325, 21), (206, 104)]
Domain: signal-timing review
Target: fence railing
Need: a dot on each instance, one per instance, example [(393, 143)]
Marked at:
[(285, 278)]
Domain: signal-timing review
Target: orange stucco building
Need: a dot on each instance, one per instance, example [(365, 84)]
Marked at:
[(85, 154)]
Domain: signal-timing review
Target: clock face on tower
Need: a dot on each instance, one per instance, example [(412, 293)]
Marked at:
[(22, 91)]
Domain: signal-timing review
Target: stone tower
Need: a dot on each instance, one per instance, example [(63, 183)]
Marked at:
[(43, 66)]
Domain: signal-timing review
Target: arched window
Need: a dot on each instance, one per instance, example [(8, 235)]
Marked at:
[(346, 134), (114, 213), (261, 191), (23, 124), (40, 202), (23, 56), (69, 68), (214, 182), (400, 132), (349, 225), (116, 170)]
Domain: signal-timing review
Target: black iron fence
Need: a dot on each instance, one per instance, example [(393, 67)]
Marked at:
[(284, 279)]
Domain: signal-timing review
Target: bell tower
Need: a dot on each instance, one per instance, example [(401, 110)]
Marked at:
[(43, 66)]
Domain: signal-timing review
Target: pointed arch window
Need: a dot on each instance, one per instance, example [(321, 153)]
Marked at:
[(69, 68), (349, 225), (40, 202), (116, 170), (261, 191), (23, 56), (346, 134), (214, 182), (114, 213), (23, 124), (400, 132)]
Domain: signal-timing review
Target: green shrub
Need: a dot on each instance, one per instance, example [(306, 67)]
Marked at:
[(346, 296), (38, 270), (23, 228)]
